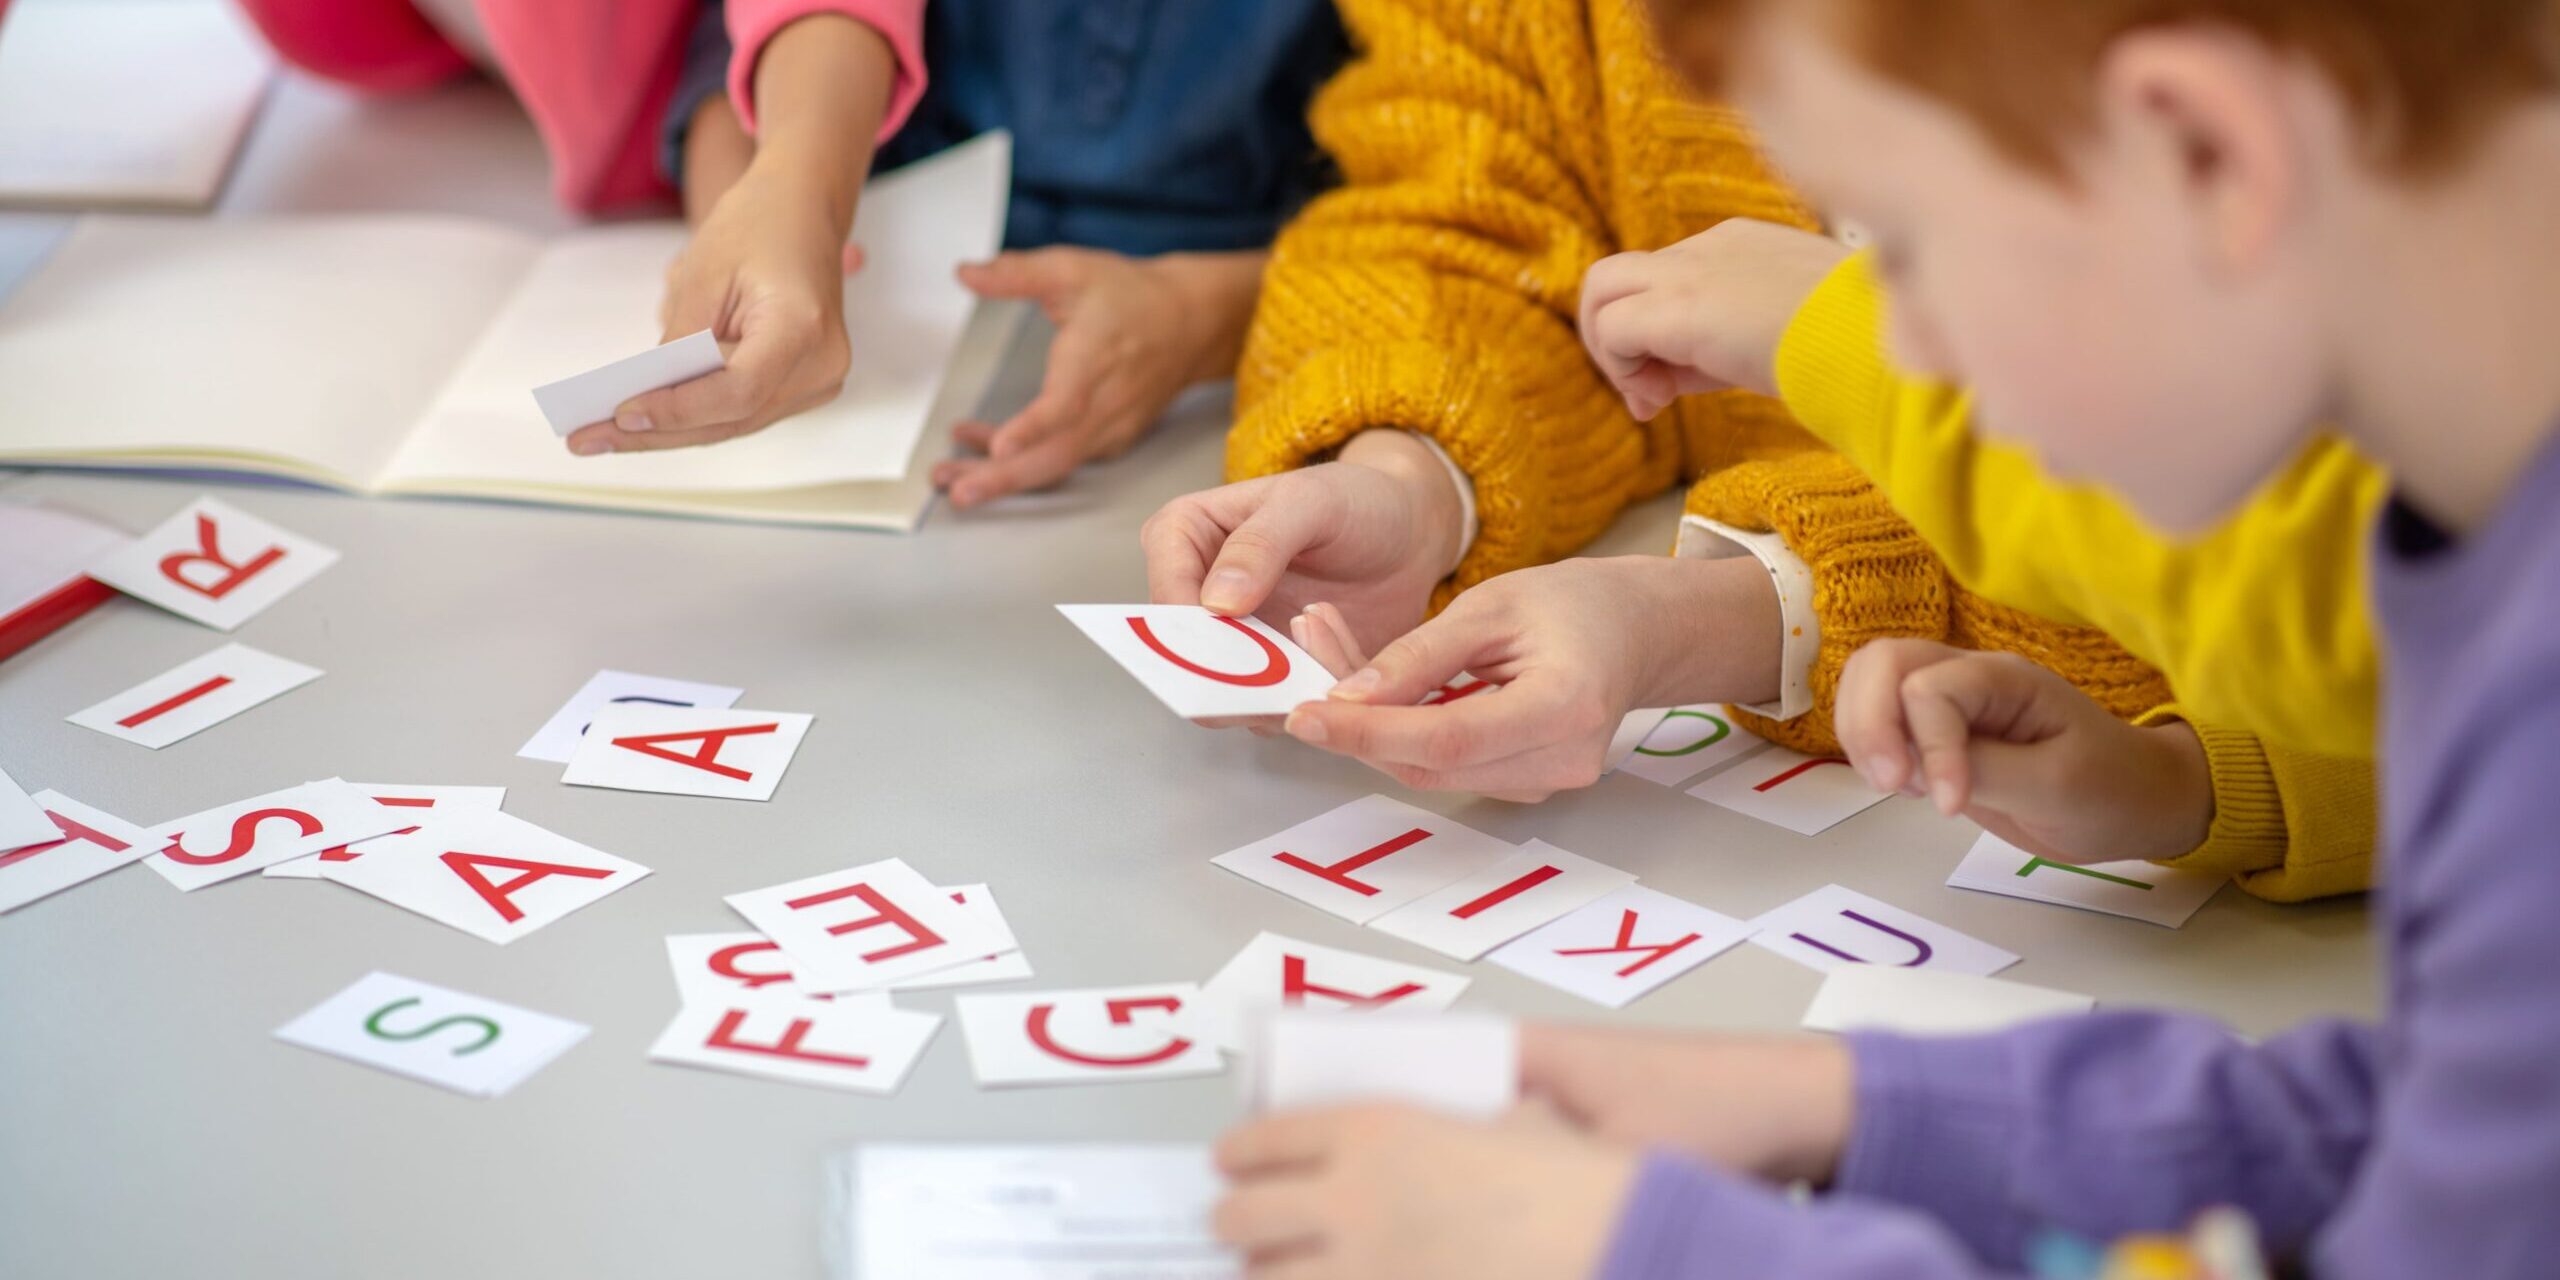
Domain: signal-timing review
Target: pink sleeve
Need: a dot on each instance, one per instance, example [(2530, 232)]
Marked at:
[(900, 22)]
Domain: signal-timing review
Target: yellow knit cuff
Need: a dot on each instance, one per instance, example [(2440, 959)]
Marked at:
[(2249, 833)]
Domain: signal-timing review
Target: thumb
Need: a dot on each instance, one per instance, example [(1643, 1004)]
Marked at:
[(1039, 274), (1252, 559), (1942, 706), (854, 258), (1416, 663)]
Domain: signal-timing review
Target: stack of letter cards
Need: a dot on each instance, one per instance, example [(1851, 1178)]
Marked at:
[(465, 1043)]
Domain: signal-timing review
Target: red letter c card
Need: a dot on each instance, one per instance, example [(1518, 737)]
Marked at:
[(1200, 663)]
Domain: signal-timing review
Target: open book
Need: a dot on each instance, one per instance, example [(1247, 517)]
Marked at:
[(394, 354)]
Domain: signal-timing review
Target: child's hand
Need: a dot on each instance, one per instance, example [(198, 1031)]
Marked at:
[(1394, 1193), (1132, 333), (1775, 1107), (2023, 752), (1702, 315), (1372, 532), (765, 273), (1574, 646)]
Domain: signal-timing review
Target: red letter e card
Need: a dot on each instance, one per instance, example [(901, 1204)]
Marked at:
[(865, 927)]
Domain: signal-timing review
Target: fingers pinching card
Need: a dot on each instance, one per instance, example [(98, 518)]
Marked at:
[(1202, 664)]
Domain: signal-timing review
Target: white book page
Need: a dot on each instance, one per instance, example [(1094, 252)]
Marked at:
[(134, 102), (592, 298), (307, 346)]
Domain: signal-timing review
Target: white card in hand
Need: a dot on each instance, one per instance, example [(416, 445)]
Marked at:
[(2144, 891), (1082, 1037), (1930, 1002), (866, 1046), (1464, 920), (1273, 972), (1833, 926), (1464, 1064), (557, 739), (405, 796), (1203, 664), (213, 563), (463, 1042), (688, 751), (591, 397), (492, 875), (195, 695), (1805, 794), (1622, 946), (86, 844), (1686, 742), (1367, 857), (22, 820), (866, 927), (1084, 1211), (246, 835)]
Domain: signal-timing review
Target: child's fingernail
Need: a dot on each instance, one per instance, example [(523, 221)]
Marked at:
[(1359, 684), (1912, 787), (590, 447), (1306, 728), (1943, 794), (635, 422), (1874, 769), (1225, 589)]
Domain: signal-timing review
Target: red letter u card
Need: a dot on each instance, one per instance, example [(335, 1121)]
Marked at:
[(490, 874), (213, 563), (1201, 663), (687, 751), (1082, 1037)]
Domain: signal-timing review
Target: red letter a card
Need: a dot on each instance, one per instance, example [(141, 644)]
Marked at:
[(492, 875), (687, 751), (214, 563), (1201, 663)]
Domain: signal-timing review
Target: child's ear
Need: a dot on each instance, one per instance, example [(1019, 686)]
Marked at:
[(2212, 121)]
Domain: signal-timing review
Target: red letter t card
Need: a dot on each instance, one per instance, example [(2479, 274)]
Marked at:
[(1204, 664)]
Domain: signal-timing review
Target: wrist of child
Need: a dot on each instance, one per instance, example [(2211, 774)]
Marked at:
[(1430, 498)]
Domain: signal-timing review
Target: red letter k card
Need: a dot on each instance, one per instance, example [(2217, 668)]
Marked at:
[(1201, 663), (863, 1046), (1366, 858), (865, 927), (213, 563), (687, 751), (1622, 946), (492, 875), (1485, 910)]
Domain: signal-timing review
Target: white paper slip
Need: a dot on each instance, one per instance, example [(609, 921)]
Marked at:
[(1805, 794), (1464, 1064), (1464, 920), (1085, 1037), (1202, 664), (866, 1046), (865, 927), (243, 836), (139, 102), (715, 967), (1621, 946), (558, 738), (463, 1042), (1273, 972), (407, 796), (1833, 926), (86, 844), (1686, 742), (1083, 1212), (2140, 890), (22, 820), (591, 397), (213, 563), (1930, 1002), (687, 751), (194, 696), (1367, 858), (492, 875)]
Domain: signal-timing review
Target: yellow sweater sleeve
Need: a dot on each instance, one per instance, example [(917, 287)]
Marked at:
[(1436, 289), (2288, 825), (2260, 623)]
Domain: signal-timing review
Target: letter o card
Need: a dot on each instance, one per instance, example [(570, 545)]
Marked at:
[(1493, 906), (1686, 742), (1366, 858), (492, 875), (867, 1047), (465, 1043), (1273, 972), (1833, 926), (247, 835), (687, 751), (866, 927), (1085, 1037), (1204, 664), (213, 563), (1622, 946), (87, 844), (195, 695)]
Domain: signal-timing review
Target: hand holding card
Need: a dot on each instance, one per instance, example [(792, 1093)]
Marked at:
[(1202, 664)]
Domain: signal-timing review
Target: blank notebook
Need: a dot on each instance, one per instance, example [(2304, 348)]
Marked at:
[(125, 102), (392, 354)]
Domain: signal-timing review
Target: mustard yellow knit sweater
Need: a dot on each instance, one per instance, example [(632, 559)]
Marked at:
[(1490, 154)]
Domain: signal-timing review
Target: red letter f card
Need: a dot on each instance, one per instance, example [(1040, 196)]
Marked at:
[(687, 751), (490, 874), (1204, 664), (213, 563), (864, 1046)]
